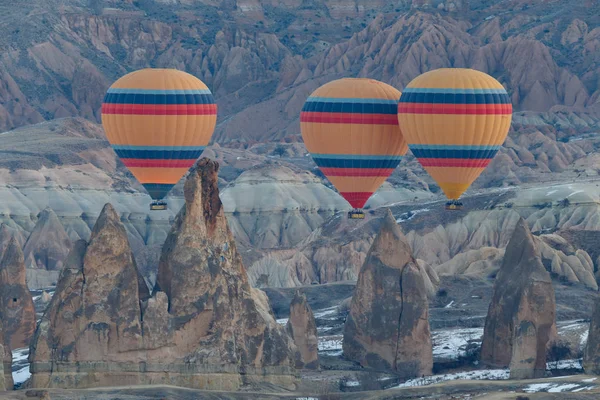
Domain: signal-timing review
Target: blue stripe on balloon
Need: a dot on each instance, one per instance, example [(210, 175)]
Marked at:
[(159, 154), (454, 91), (158, 148), (466, 154), (455, 98), (354, 163), (351, 107), (452, 147), (157, 190), (155, 91), (161, 99), (356, 157)]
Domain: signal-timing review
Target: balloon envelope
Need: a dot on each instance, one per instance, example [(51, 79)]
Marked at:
[(159, 121), (454, 121), (350, 128)]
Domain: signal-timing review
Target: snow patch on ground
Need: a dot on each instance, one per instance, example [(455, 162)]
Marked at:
[(485, 374), (411, 214), (327, 312), (556, 387), (283, 321), (20, 365), (450, 343), (331, 345)]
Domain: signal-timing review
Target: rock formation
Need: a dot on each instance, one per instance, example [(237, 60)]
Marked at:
[(204, 326), (6, 234), (388, 327), (48, 244), (302, 328), (521, 316), (6, 379), (591, 354), (16, 303)]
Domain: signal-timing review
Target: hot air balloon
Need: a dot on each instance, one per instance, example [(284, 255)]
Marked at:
[(158, 121), (454, 121), (350, 128)]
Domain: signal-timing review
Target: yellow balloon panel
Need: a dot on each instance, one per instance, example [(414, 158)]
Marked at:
[(351, 129), (159, 121), (454, 121)]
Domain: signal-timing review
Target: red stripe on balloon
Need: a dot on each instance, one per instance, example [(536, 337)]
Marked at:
[(349, 118), (357, 172), (147, 163), (159, 109), (455, 162), (456, 109), (356, 199)]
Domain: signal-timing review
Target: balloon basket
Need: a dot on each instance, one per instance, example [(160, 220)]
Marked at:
[(454, 205), (158, 206), (356, 214)]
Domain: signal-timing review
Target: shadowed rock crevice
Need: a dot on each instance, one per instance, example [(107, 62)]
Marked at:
[(521, 317), (388, 327), (203, 327)]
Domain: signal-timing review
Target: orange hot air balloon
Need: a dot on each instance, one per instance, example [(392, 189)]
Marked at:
[(454, 121), (159, 121), (351, 130)]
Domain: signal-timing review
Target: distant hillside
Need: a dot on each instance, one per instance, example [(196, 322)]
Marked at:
[(262, 58)]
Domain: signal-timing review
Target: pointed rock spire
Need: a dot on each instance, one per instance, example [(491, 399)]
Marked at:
[(16, 303), (48, 244), (302, 328), (521, 316), (388, 326)]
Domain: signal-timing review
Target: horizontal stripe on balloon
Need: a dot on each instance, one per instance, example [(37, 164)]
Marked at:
[(389, 107), (466, 154), (352, 100), (452, 147), (144, 163), (159, 154), (356, 156), (385, 172), (458, 109), (455, 98), (344, 163), (454, 91), (356, 199), (454, 162), (160, 109), (347, 118), (156, 91), (157, 190), (124, 98), (158, 148)]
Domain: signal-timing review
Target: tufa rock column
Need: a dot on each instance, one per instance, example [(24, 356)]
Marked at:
[(16, 303), (302, 328), (388, 326), (521, 317)]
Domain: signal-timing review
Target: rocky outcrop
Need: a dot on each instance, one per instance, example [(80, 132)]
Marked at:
[(203, 327), (48, 244), (6, 378), (591, 354), (16, 303), (388, 327), (302, 328), (521, 316)]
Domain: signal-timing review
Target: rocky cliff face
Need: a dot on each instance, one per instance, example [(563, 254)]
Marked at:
[(18, 312), (591, 355), (48, 244), (388, 327), (6, 378), (203, 311), (302, 328), (521, 317), (262, 58)]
